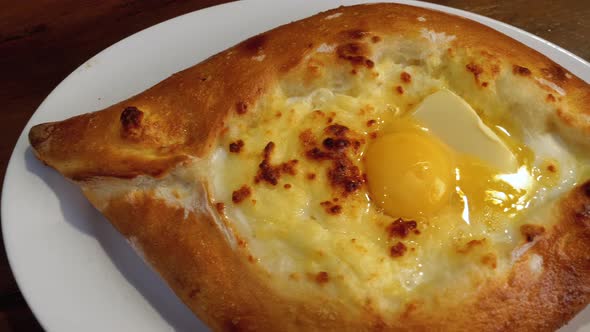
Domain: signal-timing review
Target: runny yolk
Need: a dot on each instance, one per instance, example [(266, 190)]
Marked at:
[(409, 173)]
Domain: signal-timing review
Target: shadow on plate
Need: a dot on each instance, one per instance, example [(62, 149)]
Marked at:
[(78, 212)]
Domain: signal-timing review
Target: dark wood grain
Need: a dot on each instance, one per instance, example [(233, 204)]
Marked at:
[(42, 41)]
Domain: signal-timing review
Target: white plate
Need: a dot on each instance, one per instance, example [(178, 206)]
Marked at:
[(75, 271)]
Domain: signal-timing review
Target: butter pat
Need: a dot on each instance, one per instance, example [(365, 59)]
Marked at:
[(452, 119)]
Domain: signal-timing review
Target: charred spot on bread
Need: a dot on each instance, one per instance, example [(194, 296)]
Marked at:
[(586, 189), (255, 44), (241, 194), (241, 108), (355, 34), (521, 71), (555, 72), (530, 232), (220, 207), (131, 119), (194, 292)]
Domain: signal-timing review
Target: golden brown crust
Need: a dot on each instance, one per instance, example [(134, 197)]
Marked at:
[(182, 116), (231, 81)]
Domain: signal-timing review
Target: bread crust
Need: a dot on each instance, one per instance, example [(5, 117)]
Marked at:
[(181, 118)]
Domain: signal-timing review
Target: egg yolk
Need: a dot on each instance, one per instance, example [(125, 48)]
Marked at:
[(409, 173)]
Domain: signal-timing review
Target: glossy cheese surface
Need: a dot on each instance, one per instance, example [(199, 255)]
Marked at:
[(313, 222)]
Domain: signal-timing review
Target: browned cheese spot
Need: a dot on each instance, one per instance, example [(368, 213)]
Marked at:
[(337, 130), (405, 77), (355, 53), (522, 71), (346, 175), (343, 174), (530, 232), (307, 138), (401, 228), (241, 194), (484, 84), (489, 260), (287, 186), (241, 242), (236, 146), (375, 39), (322, 277), (550, 98), (471, 245), (475, 69), (552, 168), (220, 207), (131, 118), (370, 123), (311, 176), (335, 143), (272, 173), (399, 89), (331, 208), (398, 250)]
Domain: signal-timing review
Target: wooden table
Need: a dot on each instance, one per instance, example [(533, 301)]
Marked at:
[(42, 41)]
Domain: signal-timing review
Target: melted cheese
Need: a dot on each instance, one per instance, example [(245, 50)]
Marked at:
[(289, 228)]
